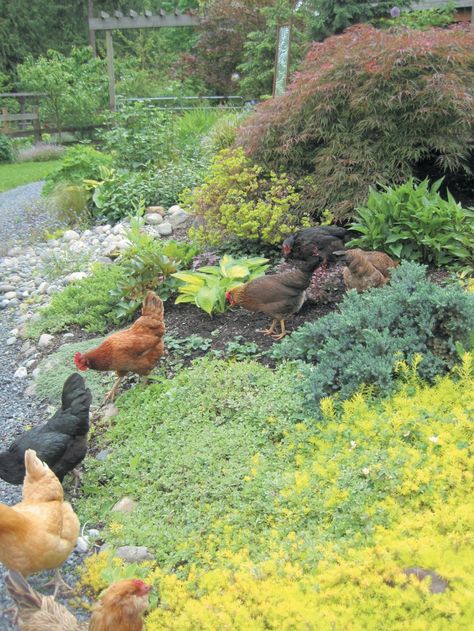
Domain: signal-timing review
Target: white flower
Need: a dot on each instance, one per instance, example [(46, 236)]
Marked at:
[(434, 439), (353, 444), (366, 471)]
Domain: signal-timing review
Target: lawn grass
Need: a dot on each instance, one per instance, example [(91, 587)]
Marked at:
[(12, 175)]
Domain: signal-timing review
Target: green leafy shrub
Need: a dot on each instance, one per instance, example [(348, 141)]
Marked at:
[(421, 19), (149, 264), (361, 344), (336, 15), (172, 179), (118, 193), (6, 150), (79, 163), (238, 199), (207, 286), (413, 221), (370, 106), (139, 135), (87, 303), (75, 86)]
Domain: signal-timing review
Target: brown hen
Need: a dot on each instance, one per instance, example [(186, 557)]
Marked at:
[(136, 349), (365, 269), (277, 295)]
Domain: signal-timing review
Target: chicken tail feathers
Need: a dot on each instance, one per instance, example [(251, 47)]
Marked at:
[(76, 400), (40, 483), (74, 388), (24, 596), (35, 468), (153, 306)]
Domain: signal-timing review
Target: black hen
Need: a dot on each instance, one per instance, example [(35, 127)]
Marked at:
[(61, 442), (320, 241)]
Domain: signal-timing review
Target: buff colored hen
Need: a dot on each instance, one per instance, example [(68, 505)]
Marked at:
[(41, 531)]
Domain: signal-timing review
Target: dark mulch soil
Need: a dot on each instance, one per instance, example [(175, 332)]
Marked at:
[(325, 292)]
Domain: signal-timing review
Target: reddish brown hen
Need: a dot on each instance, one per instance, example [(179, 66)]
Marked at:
[(136, 349), (277, 295)]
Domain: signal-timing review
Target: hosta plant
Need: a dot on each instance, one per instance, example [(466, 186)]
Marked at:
[(207, 286), (413, 221)]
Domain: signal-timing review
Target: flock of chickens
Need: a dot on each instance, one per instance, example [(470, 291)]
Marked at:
[(40, 532)]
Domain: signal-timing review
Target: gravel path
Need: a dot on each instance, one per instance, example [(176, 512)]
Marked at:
[(22, 220)]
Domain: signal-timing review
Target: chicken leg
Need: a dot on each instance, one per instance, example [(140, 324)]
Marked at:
[(269, 331), (110, 396), (58, 582), (283, 331)]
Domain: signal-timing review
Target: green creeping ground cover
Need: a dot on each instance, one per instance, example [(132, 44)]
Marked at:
[(263, 516)]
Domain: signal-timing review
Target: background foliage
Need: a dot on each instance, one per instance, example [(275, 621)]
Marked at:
[(370, 106)]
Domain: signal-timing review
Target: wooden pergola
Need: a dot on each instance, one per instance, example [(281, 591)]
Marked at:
[(119, 21)]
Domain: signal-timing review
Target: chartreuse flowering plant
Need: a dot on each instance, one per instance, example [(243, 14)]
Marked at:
[(340, 521)]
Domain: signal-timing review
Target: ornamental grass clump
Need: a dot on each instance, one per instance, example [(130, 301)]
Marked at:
[(361, 344), (370, 106)]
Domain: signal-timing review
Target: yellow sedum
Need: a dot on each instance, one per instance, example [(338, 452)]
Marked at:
[(419, 442)]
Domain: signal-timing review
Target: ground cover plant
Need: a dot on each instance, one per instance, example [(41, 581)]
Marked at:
[(270, 519), (361, 344), (12, 175), (87, 303), (370, 106)]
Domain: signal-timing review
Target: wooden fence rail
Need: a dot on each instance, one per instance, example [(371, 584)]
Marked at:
[(6, 118)]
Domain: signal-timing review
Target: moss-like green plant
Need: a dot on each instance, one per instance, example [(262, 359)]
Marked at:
[(87, 303), (56, 368)]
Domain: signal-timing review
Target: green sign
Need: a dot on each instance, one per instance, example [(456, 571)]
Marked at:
[(282, 60)]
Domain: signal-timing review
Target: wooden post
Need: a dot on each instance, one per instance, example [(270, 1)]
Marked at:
[(110, 69), (6, 123), (22, 99), (36, 124), (92, 39)]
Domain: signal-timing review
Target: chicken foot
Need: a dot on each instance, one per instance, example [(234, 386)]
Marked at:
[(271, 331), (58, 583), (283, 331)]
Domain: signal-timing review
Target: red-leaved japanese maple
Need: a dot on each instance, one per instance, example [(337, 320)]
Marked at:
[(370, 106)]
